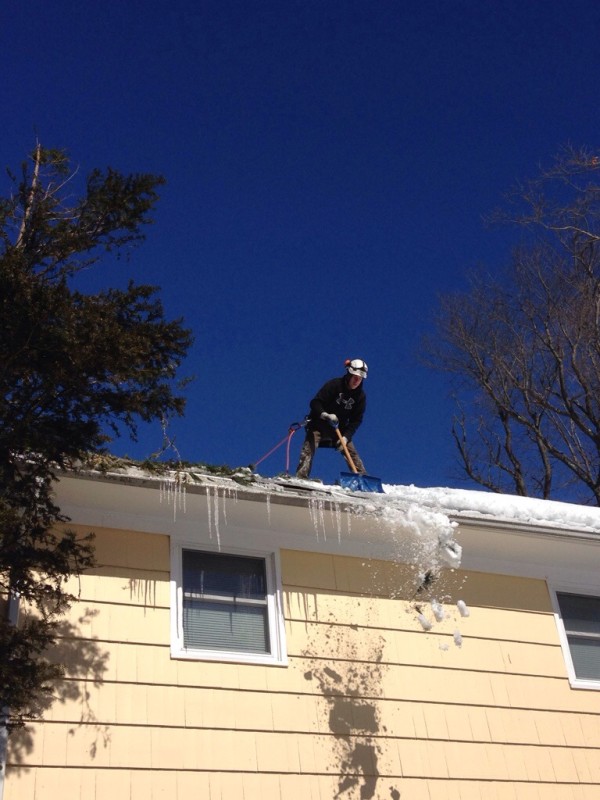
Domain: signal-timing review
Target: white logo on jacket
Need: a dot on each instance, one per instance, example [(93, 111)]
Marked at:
[(343, 402)]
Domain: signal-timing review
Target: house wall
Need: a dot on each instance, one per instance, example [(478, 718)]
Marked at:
[(370, 706)]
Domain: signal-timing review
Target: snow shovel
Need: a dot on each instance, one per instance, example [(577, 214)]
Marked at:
[(353, 480)]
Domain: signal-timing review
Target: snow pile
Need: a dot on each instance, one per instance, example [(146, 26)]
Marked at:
[(500, 507), (424, 536)]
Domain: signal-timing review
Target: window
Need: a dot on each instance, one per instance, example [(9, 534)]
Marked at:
[(227, 606), (579, 624)]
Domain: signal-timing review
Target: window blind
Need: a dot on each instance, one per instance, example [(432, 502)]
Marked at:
[(225, 602)]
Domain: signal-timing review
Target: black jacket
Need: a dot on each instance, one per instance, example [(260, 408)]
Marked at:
[(335, 397)]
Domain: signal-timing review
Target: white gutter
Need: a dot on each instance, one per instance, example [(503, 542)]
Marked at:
[(528, 549)]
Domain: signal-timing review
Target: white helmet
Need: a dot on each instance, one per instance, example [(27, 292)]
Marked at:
[(357, 367)]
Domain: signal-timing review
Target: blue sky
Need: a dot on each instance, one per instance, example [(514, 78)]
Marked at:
[(328, 166)]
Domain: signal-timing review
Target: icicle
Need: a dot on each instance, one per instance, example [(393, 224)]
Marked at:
[(338, 520), (216, 516), (224, 506), (209, 510), (315, 507), (268, 502), (232, 492), (321, 511), (312, 508), (173, 491)]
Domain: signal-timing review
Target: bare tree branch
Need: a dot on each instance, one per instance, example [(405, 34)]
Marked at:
[(524, 345)]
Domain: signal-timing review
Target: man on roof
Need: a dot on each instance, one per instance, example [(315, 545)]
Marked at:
[(339, 403)]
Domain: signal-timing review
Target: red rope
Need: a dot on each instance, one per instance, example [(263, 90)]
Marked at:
[(295, 426), (291, 432), (266, 455)]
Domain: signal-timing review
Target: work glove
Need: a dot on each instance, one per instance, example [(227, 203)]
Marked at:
[(330, 418), (339, 446)]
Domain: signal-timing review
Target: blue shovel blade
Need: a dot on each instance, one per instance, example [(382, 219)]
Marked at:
[(360, 483)]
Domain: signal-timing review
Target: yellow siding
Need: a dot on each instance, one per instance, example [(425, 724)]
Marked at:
[(370, 705)]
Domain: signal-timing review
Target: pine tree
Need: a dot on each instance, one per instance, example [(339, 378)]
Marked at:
[(76, 369)]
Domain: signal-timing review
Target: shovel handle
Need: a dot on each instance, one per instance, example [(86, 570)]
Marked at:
[(346, 453)]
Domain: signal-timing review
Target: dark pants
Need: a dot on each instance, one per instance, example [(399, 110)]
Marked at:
[(312, 441)]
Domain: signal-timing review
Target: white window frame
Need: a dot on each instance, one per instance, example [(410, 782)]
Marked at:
[(278, 653), (565, 588)]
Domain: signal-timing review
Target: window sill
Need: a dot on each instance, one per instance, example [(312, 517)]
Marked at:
[(228, 656), (580, 683)]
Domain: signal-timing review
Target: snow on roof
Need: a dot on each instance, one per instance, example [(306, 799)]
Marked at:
[(471, 503)]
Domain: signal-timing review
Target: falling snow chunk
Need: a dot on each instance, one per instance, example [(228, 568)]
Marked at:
[(462, 608), (425, 623), (438, 611), (458, 640), (450, 551)]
